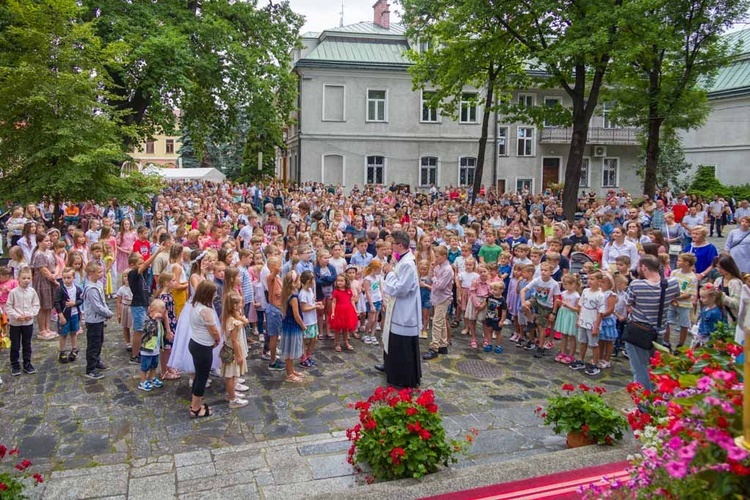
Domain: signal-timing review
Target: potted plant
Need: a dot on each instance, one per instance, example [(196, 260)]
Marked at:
[(400, 434), (13, 484), (581, 413)]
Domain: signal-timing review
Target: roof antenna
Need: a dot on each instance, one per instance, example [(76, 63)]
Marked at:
[(341, 22)]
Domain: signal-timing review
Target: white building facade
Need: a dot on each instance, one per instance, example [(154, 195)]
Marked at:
[(359, 121)]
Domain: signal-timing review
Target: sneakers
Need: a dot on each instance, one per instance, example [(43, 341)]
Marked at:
[(101, 367), (507, 322), (374, 340), (276, 366), (73, 355), (238, 402), (539, 352), (429, 355), (15, 371), (94, 374), (604, 364), (129, 347), (63, 357), (265, 356), (567, 359), (498, 349), (514, 337), (135, 360), (529, 345), (577, 365), (156, 383), (240, 380), (520, 341), (146, 386), (29, 368), (592, 370), (487, 348), (241, 388), (306, 363), (261, 337), (558, 336)]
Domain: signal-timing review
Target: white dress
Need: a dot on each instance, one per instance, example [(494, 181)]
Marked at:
[(180, 357)]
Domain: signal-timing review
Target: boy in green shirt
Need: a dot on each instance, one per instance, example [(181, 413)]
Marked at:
[(490, 251)]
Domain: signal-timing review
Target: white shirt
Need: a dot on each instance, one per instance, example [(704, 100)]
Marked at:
[(308, 297)]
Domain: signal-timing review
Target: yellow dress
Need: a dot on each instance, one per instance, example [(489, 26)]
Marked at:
[(111, 276), (179, 296)]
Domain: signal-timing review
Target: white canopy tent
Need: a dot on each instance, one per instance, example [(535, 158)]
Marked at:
[(177, 174)]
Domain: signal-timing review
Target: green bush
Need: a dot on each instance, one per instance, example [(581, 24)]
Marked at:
[(706, 185)]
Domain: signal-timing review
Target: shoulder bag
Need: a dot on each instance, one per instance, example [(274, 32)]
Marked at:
[(643, 335)]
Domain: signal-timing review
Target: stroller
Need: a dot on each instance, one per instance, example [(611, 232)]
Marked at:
[(577, 260)]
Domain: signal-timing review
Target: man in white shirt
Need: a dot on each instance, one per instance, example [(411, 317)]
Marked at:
[(742, 211), (715, 209)]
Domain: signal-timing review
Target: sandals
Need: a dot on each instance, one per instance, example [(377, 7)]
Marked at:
[(349, 347), (454, 324), (356, 335), (473, 344), (202, 412), (171, 374), (294, 379), (321, 337), (73, 354), (337, 348)]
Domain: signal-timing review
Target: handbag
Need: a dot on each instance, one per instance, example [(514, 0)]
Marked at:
[(226, 354), (643, 335)]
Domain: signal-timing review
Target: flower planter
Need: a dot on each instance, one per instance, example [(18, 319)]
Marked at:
[(578, 439)]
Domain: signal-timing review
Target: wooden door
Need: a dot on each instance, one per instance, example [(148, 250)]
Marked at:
[(550, 172), (501, 187)]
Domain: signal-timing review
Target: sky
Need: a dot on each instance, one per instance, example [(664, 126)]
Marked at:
[(324, 14)]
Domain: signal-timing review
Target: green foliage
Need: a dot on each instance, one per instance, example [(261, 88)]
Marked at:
[(706, 185), (400, 434), (12, 484), (58, 136), (583, 409), (672, 168)]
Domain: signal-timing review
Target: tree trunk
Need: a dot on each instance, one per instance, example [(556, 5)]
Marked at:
[(653, 138), (486, 115), (573, 166)]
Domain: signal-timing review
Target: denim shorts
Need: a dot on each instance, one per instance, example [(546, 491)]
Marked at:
[(139, 316), (71, 326), (679, 316), (149, 362), (377, 306), (273, 321)]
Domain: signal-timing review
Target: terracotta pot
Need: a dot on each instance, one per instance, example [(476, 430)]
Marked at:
[(577, 439)]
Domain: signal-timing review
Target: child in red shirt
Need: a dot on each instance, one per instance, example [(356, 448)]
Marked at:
[(142, 245)]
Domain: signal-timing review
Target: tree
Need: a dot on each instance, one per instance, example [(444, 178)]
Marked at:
[(572, 44), (214, 60), (462, 45), (674, 49), (58, 136), (672, 168)]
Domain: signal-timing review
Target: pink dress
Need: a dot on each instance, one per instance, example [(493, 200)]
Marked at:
[(128, 239)]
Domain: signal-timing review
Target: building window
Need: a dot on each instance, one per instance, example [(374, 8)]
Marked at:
[(525, 141), (551, 102), (149, 147), (170, 146), (606, 113), (424, 45), (502, 141), (333, 103), (429, 114), (525, 100), (376, 105), (428, 166), (524, 184), (375, 170), (585, 179), (466, 167), (469, 107), (609, 172)]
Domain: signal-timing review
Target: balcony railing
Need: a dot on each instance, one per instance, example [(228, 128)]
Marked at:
[(597, 135)]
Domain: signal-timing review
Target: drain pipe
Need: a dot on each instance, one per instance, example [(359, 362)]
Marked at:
[(494, 160)]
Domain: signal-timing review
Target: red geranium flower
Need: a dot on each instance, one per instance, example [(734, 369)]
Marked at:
[(396, 455), (425, 434), (370, 424), (14, 451), (411, 411), (426, 398), (3, 487), (432, 408), (600, 390), (584, 387), (39, 478), (568, 387), (3, 450)]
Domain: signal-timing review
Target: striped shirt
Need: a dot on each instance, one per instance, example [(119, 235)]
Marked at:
[(644, 295), (246, 283)]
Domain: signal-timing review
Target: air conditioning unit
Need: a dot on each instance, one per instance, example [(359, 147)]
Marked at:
[(600, 151)]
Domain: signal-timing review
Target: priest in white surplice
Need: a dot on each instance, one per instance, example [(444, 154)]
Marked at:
[(403, 319)]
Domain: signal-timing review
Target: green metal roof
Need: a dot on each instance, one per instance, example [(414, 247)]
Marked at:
[(734, 78), (368, 28), (343, 50)]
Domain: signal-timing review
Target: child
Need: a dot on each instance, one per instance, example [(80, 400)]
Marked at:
[(110, 271), (525, 318), (310, 310), (17, 260), (513, 303), (96, 313), (541, 304), (233, 324), (476, 308), (75, 262), (504, 269), (360, 303), (292, 326), (58, 249), (7, 283), (566, 309), (464, 279), (495, 317), (155, 330), (621, 312), (343, 319), (21, 308), (96, 255), (325, 276), (712, 300), (608, 329), (678, 314), (124, 316), (180, 290), (140, 287), (521, 255), (589, 321), (425, 285), (594, 249), (665, 262), (68, 301), (371, 286), (167, 281), (489, 252)]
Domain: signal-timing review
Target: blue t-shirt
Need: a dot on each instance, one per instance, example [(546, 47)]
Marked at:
[(704, 256)]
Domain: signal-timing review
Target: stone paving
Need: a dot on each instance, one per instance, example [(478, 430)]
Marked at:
[(105, 438)]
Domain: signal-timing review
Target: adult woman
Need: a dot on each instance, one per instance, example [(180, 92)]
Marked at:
[(125, 241), (635, 234), (673, 236), (44, 264), (620, 246), (704, 252), (204, 336), (538, 240), (730, 282), (657, 238), (738, 244)]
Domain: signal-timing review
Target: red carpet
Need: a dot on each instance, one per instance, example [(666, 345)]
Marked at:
[(563, 485)]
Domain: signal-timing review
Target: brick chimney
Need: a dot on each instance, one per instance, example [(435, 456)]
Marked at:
[(382, 16)]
